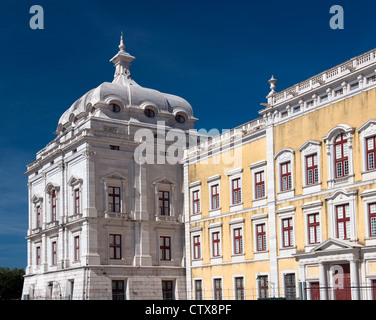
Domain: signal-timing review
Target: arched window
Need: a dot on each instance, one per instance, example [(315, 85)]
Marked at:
[(341, 159)]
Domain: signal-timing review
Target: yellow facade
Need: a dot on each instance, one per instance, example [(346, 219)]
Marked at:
[(307, 183)]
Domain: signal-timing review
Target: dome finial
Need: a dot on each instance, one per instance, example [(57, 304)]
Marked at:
[(121, 45)]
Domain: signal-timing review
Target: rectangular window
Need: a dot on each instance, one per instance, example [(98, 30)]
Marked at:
[(290, 287), (371, 79), (165, 248), (196, 202), (236, 191), (115, 246), (217, 289), (343, 221), (164, 203), (263, 288), (372, 219), (118, 292), (312, 170), (338, 92), (112, 147), (286, 176), (39, 224), (114, 199), (287, 232), (54, 253), (239, 288), (38, 251), (313, 228), (261, 237), (215, 196), (238, 240), (260, 184), (77, 248), (216, 242), (53, 206), (76, 201), (309, 104), (167, 290), (198, 290), (341, 156), (371, 153), (196, 247)]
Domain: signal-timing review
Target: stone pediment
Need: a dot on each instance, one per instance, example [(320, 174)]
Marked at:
[(335, 245), (115, 176), (163, 180)]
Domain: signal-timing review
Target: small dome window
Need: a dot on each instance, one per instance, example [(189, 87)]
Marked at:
[(179, 118), (92, 110), (115, 108), (150, 113)]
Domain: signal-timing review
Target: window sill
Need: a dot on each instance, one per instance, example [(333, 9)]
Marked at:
[(116, 215), (216, 260), (310, 188), (259, 202), (214, 212), (238, 257), (286, 194), (165, 218), (236, 207), (287, 251), (369, 174)]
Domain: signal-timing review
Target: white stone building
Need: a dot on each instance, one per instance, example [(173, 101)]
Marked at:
[(101, 224)]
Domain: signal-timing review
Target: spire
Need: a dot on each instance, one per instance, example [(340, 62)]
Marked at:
[(122, 61), (121, 45), (272, 81)]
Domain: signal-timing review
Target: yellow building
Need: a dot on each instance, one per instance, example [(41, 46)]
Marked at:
[(285, 205)]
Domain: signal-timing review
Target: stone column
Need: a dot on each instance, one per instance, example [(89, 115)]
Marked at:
[(354, 279), (323, 282)]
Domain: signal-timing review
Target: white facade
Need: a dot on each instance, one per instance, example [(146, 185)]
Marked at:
[(97, 227)]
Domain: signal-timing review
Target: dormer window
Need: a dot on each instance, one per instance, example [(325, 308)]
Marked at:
[(150, 113), (115, 108), (179, 118)]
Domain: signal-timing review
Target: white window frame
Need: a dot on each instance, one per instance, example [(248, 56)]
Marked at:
[(313, 207), (330, 151), (212, 181), (213, 228), (367, 130), (236, 224), (196, 231), (115, 180), (369, 196), (283, 156), (234, 285), (256, 220), (283, 273), (194, 288), (310, 148), (258, 167), (270, 288), (235, 174), (195, 186), (50, 187), (38, 202), (286, 213), (75, 184), (213, 287), (164, 184), (337, 198)]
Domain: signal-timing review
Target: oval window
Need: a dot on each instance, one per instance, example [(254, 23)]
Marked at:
[(179, 118), (115, 108), (149, 113)]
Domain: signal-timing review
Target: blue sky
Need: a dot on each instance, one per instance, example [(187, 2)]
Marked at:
[(218, 55)]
